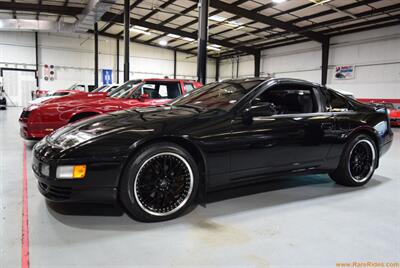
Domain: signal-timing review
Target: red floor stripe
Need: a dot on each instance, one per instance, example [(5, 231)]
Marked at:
[(25, 224)]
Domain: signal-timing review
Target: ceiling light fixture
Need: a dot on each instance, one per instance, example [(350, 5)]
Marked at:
[(188, 39), (213, 48), (278, 1), (217, 18), (173, 35), (140, 29), (163, 43)]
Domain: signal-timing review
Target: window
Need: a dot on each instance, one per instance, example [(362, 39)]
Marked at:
[(221, 96), (80, 87), (289, 99), (124, 90), (335, 103), (159, 90), (188, 87)]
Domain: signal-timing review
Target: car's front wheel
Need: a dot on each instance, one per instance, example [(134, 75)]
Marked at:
[(358, 161), (160, 183)]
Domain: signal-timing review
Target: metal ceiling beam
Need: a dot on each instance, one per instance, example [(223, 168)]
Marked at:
[(332, 21), (347, 29), (312, 16), (65, 5), (108, 16), (144, 43), (257, 17), (108, 26), (61, 10), (174, 17), (260, 9), (153, 12)]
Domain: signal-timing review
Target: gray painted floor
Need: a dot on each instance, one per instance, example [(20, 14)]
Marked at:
[(304, 222)]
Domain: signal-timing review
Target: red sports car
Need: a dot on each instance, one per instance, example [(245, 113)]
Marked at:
[(38, 121), (394, 114)]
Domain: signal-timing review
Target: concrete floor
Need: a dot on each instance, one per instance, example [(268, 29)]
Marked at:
[(298, 222)]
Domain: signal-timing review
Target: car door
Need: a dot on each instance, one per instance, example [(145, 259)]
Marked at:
[(291, 137)]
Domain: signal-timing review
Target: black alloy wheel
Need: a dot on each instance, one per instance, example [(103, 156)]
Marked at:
[(362, 158), (357, 163), (160, 183)]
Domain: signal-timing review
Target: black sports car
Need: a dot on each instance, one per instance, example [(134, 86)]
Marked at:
[(159, 161)]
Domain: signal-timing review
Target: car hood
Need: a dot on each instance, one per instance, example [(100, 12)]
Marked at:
[(394, 114), (139, 120), (79, 96), (42, 99)]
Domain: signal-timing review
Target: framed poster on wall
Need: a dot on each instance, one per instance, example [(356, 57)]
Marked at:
[(344, 72)]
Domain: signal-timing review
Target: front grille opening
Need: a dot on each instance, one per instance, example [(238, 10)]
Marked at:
[(53, 192)]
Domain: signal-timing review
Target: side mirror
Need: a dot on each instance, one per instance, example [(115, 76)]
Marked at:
[(262, 109), (258, 109), (144, 97)]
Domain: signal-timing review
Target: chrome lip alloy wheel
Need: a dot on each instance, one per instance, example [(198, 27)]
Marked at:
[(163, 184), (361, 161)]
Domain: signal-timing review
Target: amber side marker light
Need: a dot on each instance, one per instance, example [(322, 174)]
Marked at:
[(71, 172)]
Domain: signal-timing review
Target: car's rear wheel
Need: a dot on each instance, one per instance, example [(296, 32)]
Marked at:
[(160, 183), (358, 161)]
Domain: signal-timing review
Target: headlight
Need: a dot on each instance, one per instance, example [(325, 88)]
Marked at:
[(71, 139), (381, 127), (71, 172)]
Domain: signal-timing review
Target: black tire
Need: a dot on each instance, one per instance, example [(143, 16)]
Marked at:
[(144, 179), (358, 162)]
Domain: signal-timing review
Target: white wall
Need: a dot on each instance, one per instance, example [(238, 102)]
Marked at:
[(73, 57), (375, 54)]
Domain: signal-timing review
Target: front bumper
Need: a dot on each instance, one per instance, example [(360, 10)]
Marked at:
[(100, 184), (35, 130), (395, 122)]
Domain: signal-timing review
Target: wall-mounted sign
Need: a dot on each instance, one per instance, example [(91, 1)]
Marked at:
[(49, 73), (107, 76), (344, 72)]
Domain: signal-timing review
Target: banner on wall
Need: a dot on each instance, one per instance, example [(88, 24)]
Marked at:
[(344, 72), (107, 76)]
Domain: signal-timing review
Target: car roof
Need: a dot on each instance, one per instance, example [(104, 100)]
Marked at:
[(265, 79), (167, 80)]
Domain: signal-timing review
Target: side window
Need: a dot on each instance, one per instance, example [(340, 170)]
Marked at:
[(163, 91), (168, 90), (289, 99), (80, 87), (188, 87), (335, 102)]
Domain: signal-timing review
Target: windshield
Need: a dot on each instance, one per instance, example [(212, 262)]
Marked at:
[(221, 96), (72, 87), (124, 90), (100, 89)]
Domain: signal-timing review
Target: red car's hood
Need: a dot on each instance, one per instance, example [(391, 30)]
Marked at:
[(101, 102), (83, 96), (394, 114)]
